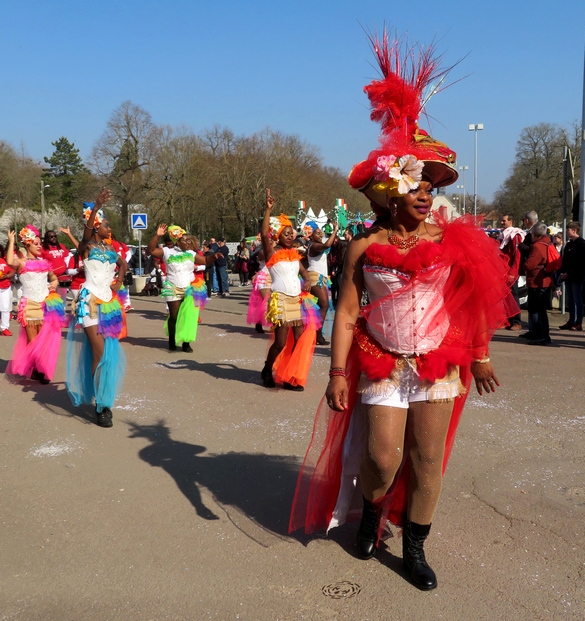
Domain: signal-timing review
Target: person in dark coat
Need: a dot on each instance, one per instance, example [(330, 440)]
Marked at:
[(573, 275)]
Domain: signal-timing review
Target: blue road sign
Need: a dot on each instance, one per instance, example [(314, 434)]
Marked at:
[(139, 221)]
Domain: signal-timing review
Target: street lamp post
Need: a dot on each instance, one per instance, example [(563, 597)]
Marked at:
[(15, 222), (463, 169), (475, 128), (43, 186), (461, 188)]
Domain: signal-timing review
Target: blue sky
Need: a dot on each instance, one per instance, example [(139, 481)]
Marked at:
[(298, 67)]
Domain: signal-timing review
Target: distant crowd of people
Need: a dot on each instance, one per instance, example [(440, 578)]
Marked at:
[(546, 262)]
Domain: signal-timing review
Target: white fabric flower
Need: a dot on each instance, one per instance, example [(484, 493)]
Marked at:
[(408, 173)]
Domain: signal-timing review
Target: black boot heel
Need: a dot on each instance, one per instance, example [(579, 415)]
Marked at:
[(367, 537), (413, 555), (267, 379)]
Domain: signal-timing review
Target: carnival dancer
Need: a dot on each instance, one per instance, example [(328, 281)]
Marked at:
[(318, 274), (258, 300), (401, 366), (95, 360), (184, 291), (293, 312), (41, 311), (6, 274)]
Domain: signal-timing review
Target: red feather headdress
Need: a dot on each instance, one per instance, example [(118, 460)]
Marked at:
[(410, 76)]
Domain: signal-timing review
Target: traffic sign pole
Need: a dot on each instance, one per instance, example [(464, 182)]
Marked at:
[(140, 252)]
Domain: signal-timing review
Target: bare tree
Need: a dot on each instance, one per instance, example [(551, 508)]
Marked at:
[(122, 153), (535, 179)]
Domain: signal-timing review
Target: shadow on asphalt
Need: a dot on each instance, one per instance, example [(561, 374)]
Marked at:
[(54, 398), (154, 343), (219, 370), (258, 485), (156, 315)]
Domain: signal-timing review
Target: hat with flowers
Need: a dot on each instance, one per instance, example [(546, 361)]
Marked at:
[(278, 224), (407, 154), (28, 234), (99, 214), (176, 232)]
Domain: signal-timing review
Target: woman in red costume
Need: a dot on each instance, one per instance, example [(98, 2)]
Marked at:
[(291, 309), (402, 365)]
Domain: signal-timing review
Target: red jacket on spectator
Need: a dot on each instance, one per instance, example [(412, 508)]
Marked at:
[(536, 276)]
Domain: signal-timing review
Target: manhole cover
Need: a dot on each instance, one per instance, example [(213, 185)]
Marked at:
[(340, 590)]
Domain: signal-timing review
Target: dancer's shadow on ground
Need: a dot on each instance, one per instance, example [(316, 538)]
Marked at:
[(54, 398), (154, 315), (153, 343), (218, 370), (247, 330), (257, 485)]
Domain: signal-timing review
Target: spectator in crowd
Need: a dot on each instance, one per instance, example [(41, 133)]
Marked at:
[(539, 282), (6, 273), (221, 268), (529, 221), (58, 256), (214, 247), (573, 275), (242, 262), (511, 237)]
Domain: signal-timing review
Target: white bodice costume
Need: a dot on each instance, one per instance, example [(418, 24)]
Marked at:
[(318, 264), (403, 313), (34, 284), (180, 266), (100, 269), (285, 277)]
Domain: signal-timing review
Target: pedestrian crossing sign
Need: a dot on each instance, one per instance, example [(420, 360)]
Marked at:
[(139, 221)]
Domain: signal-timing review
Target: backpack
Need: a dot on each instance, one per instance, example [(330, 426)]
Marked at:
[(553, 259)]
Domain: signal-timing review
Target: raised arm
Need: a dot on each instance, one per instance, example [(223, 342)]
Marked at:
[(102, 199), (318, 248), (153, 250), (265, 230), (67, 231), (11, 257)]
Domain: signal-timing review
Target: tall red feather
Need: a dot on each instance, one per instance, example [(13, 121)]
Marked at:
[(397, 98)]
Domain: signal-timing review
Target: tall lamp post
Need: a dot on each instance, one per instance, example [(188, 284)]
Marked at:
[(463, 169), (461, 188), (475, 128), (15, 223), (43, 186)]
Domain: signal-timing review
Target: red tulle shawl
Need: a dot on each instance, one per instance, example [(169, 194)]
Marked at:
[(478, 301)]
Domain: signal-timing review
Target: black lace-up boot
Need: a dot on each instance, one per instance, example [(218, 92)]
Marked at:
[(367, 537), (413, 555)]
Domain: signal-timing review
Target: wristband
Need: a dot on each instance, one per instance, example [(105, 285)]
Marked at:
[(482, 360)]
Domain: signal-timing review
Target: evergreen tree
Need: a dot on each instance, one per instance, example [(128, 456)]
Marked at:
[(67, 176), (65, 160)]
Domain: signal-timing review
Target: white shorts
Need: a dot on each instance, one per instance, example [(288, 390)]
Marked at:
[(405, 387)]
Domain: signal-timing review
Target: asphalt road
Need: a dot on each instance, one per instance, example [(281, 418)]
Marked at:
[(179, 512)]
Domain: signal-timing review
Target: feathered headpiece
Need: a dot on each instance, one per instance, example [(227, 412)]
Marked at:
[(28, 234), (309, 228), (407, 153), (176, 232), (99, 216), (278, 224)]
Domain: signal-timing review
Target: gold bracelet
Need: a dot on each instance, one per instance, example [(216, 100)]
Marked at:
[(482, 361)]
